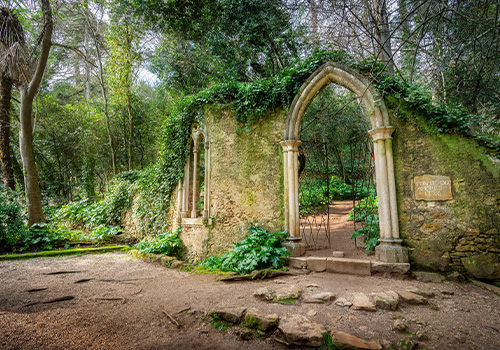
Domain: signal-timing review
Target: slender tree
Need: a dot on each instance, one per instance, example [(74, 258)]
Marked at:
[(14, 69), (28, 92)]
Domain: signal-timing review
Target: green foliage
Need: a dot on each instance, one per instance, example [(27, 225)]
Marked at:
[(219, 323), (168, 243), (108, 210), (259, 250), (366, 211), (328, 343), (451, 119), (40, 237), (12, 218), (312, 193)]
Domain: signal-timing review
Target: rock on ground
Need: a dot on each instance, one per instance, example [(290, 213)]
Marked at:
[(257, 319), (362, 302), (412, 298), (386, 300), (299, 330), (350, 341), (229, 314)]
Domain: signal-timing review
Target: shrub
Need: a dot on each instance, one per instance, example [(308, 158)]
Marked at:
[(259, 250), (367, 213), (168, 243), (12, 218)]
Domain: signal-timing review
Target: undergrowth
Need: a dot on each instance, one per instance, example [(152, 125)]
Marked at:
[(168, 243), (259, 250)]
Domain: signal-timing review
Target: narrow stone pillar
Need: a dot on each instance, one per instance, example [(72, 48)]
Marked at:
[(390, 249), (206, 201), (180, 197), (185, 191), (194, 211), (285, 185), (294, 244)]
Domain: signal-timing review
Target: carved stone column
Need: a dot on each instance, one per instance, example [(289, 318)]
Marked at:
[(185, 191), (195, 136), (290, 152), (180, 198), (206, 202), (390, 249)]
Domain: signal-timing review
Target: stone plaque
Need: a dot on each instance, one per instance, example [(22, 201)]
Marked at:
[(432, 188)]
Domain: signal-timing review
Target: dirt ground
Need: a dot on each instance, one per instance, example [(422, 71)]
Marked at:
[(124, 303)]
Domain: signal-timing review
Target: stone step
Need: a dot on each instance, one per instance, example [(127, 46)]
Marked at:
[(346, 266)]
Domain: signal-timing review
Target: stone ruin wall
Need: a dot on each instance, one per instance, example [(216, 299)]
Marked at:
[(459, 233)]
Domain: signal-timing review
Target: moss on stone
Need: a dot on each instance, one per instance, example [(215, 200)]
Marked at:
[(64, 252)]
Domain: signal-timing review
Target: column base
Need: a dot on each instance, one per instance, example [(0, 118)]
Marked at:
[(194, 215), (295, 246), (391, 252)]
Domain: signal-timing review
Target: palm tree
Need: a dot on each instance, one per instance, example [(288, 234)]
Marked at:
[(14, 70)]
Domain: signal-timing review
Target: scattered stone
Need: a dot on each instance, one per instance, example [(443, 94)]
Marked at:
[(265, 293), (280, 282), (299, 330), (176, 264), (421, 335), (320, 298), (311, 313), (433, 305), (487, 286), (229, 314), (313, 285), (291, 292), (482, 266), (412, 298), (338, 254), (399, 325), (343, 302), (316, 264), (428, 276), (456, 277), (386, 300), (423, 292), (445, 291), (362, 302), (248, 334), (257, 319), (351, 341)]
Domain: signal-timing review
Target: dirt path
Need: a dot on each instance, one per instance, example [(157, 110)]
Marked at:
[(124, 302), (340, 234)]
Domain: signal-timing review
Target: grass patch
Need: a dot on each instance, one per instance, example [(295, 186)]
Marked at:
[(64, 252)]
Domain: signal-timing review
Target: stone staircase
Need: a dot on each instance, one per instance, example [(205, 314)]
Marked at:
[(346, 265)]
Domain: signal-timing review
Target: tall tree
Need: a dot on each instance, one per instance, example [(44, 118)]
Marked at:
[(14, 69), (28, 92)]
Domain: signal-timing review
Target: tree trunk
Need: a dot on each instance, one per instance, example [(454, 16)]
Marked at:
[(28, 93), (5, 154), (382, 34), (130, 131), (33, 196)]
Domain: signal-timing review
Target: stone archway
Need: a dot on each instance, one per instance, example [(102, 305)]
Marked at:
[(389, 249)]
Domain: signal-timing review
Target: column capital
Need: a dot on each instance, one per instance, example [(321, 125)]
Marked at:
[(382, 133), (290, 145)]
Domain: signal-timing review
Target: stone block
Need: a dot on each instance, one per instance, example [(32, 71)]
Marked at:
[(338, 254), (412, 298), (428, 276), (316, 264), (295, 248), (397, 268), (386, 300), (348, 266), (297, 262), (361, 302), (391, 253), (483, 266)]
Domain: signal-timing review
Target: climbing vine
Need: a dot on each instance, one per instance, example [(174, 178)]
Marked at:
[(250, 100)]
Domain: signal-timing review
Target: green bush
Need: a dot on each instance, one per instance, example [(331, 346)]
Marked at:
[(259, 250), (367, 213), (168, 243), (12, 218)]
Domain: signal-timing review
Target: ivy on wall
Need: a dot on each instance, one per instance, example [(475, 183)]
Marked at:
[(249, 101)]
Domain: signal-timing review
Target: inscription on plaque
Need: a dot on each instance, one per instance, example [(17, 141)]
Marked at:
[(432, 188)]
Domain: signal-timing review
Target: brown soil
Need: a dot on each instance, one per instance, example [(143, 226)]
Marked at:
[(340, 233), (125, 302)]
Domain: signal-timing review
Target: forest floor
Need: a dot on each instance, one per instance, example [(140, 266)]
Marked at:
[(114, 301)]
